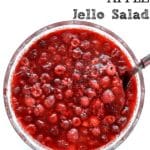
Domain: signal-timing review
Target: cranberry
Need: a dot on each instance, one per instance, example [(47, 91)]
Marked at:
[(49, 101), (65, 124), (115, 129), (104, 59), (84, 101), (47, 67), (76, 76), (33, 78), (61, 107), (90, 93), (53, 118), (40, 124), (96, 131), (111, 69), (57, 81), (76, 121), (29, 101), (73, 135), (59, 96), (109, 120), (60, 69), (67, 37), (31, 129), (26, 90), (45, 77), (78, 110), (79, 65), (52, 49), (62, 49), (43, 58), (54, 131), (94, 84), (36, 90), (105, 81), (28, 119), (33, 54), (25, 61), (85, 44), (16, 90), (39, 110), (47, 88), (86, 56), (108, 96), (94, 121), (77, 53), (122, 121), (68, 93), (75, 42)]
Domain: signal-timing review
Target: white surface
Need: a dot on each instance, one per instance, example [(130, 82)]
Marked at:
[(19, 19)]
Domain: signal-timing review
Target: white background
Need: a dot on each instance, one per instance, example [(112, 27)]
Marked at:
[(20, 18)]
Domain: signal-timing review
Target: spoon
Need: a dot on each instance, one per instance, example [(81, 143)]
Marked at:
[(129, 74)]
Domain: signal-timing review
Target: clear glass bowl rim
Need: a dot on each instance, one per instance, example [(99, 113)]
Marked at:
[(115, 143)]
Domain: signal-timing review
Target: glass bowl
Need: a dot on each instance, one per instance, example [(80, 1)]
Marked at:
[(58, 26)]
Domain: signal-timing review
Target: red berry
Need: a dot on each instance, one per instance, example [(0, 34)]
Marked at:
[(85, 44), (111, 69), (90, 93), (94, 84), (39, 110), (65, 124), (108, 96), (36, 90), (84, 101), (53, 118), (109, 120), (61, 108), (75, 42), (49, 101), (105, 82), (59, 69), (76, 121), (94, 121), (96, 131), (73, 135), (29, 101), (31, 129), (77, 53), (68, 93), (33, 78)]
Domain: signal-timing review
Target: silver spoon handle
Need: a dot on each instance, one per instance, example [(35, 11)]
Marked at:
[(145, 61)]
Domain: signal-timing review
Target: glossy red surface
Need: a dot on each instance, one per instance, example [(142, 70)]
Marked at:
[(67, 91)]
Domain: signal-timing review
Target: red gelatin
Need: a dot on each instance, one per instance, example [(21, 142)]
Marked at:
[(67, 91)]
